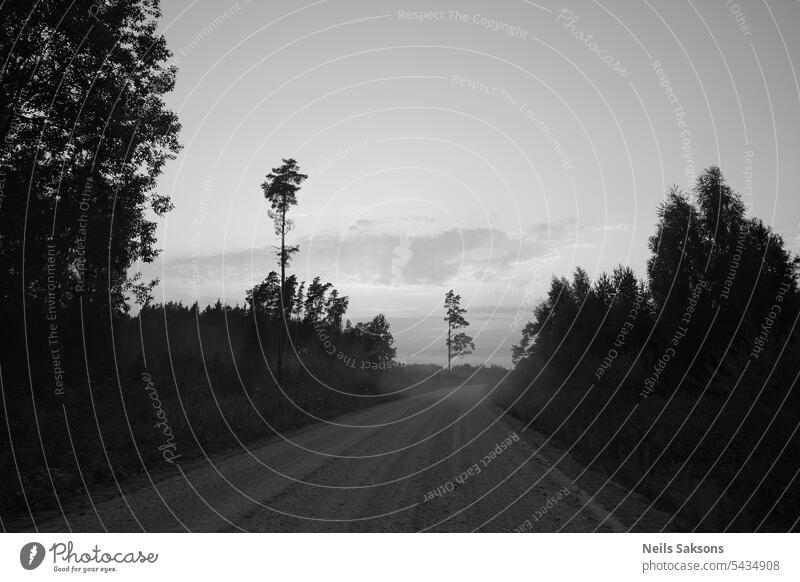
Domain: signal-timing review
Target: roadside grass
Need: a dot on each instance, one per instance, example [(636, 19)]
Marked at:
[(709, 462)]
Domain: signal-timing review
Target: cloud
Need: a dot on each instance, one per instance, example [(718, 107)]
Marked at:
[(379, 254), (370, 256)]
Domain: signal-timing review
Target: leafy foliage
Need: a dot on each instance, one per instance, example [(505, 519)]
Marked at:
[(86, 134)]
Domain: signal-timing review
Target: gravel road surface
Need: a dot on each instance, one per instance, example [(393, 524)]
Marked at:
[(442, 461)]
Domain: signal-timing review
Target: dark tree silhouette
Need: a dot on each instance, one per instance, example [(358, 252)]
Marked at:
[(458, 344), (462, 345), (683, 369), (336, 307), (85, 134), (677, 258), (299, 301), (280, 189), (315, 302), (380, 339), (265, 298)]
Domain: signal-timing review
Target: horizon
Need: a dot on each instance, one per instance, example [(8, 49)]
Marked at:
[(477, 174)]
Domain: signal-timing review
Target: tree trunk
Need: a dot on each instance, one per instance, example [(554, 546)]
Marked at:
[(449, 328), (282, 259)]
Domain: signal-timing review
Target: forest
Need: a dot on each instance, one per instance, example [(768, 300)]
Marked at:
[(679, 383), (98, 382)]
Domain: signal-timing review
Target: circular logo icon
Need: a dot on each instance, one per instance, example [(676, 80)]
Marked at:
[(31, 555)]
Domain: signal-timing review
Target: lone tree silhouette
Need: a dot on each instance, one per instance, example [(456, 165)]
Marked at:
[(280, 189), (458, 344)]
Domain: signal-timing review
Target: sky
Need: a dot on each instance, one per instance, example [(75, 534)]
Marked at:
[(477, 146)]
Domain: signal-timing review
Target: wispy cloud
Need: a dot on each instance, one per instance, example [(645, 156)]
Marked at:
[(380, 255), (370, 254)]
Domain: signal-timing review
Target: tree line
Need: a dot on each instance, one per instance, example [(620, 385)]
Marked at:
[(680, 383), (85, 134)]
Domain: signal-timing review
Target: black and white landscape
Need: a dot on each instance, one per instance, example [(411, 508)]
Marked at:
[(346, 266)]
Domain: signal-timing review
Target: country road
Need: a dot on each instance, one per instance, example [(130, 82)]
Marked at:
[(441, 461)]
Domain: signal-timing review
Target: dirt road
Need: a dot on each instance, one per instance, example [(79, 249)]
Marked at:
[(443, 461)]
